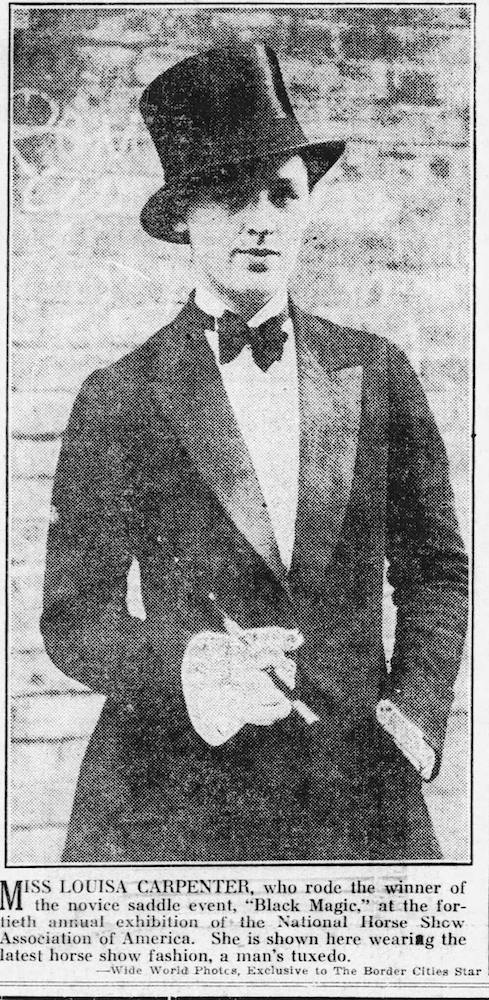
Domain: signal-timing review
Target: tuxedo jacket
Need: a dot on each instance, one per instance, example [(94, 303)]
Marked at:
[(153, 467)]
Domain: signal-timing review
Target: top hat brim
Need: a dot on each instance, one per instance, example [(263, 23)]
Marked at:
[(158, 216)]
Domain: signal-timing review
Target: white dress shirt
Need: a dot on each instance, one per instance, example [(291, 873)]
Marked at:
[(266, 407)]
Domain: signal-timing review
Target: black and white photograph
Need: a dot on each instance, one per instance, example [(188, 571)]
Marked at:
[(240, 434)]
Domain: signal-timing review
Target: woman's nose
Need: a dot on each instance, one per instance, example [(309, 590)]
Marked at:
[(260, 215)]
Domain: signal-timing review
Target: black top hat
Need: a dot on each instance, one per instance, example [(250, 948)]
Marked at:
[(221, 107)]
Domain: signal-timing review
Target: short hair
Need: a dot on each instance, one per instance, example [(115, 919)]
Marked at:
[(232, 184)]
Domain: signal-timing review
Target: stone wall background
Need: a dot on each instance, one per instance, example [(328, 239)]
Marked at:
[(389, 250)]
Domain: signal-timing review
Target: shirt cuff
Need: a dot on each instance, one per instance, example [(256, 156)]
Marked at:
[(408, 737)]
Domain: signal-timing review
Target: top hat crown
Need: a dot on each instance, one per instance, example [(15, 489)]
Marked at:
[(219, 108)]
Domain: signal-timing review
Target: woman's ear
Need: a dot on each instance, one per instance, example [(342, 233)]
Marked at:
[(180, 227)]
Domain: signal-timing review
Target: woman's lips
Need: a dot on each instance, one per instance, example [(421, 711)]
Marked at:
[(259, 252)]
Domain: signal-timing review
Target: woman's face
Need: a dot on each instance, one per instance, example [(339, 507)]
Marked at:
[(246, 228)]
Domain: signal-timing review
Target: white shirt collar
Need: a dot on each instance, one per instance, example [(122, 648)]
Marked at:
[(214, 306)]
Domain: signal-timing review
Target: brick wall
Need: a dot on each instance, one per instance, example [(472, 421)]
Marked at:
[(389, 250)]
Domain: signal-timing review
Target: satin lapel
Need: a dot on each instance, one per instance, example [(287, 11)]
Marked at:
[(190, 395), (330, 392)]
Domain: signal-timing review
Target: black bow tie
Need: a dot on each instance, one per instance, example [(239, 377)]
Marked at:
[(266, 341)]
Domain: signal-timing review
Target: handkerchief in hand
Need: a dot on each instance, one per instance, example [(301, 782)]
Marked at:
[(211, 686)]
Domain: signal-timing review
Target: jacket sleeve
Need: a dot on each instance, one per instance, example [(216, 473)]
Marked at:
[(87, 630), (427, 562)]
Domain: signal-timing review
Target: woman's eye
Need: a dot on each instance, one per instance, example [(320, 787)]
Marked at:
[(236, 200), (282, 192)]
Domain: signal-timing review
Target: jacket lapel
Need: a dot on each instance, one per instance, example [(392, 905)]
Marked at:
[(330, 391), (188, 391)]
